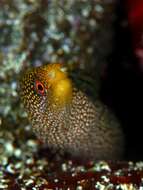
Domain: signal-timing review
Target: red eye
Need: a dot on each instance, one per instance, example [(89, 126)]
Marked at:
[(40, 89)]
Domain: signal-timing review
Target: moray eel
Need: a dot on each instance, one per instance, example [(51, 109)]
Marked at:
[(66, 119)]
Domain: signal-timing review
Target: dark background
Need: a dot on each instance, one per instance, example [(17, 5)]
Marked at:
[(122, 86)]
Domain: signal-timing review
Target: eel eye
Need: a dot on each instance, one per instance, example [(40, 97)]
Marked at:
[(39, 87)]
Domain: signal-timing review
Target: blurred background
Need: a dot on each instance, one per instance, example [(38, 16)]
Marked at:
[(100, 41)]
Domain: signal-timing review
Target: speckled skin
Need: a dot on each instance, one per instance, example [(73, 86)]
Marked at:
[(82, 128)]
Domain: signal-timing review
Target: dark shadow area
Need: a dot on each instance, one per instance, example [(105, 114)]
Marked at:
[(122, 87)]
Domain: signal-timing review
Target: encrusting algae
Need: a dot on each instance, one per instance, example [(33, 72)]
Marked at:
[(67, 119)]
